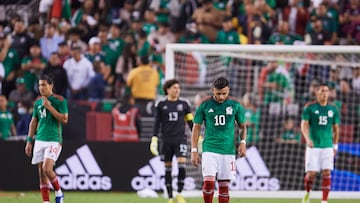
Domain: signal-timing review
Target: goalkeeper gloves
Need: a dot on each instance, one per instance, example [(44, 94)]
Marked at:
[(154, 146)]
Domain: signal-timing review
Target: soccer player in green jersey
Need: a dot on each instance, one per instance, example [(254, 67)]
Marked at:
[(219, 114), (320, 127), (50, 112)]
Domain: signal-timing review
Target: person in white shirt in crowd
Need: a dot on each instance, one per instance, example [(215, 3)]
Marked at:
[(50, 41), (79, 71)]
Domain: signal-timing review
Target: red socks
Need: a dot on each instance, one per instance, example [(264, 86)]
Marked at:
[(223, 192), (55, 184), (208, 191), (308, 183), (45, 192), (326, 184)]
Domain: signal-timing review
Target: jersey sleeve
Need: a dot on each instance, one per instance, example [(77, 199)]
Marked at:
[(63, 108), (306, 114), (35, 111), (240, 114), (199, 114)]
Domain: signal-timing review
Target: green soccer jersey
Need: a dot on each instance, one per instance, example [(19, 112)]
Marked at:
[(6, 120), (321, 120), (49, 128), (219, 120)]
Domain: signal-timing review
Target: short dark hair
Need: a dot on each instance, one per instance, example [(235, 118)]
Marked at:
[(168, 84), (221, 83), (48, 77), (144, 59)]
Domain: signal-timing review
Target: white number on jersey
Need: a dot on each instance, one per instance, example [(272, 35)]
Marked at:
[(219, 120), (323, 120), (173, 116), (42, 113)]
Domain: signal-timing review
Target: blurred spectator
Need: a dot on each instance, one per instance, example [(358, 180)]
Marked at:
[(283, 35), (21, 39), (2, 74), (317, 35), (32, 66), (349, 21), (85, 14), (143, 47), (290, 134), (227, 35), (356, 80), (252, 117), (94, 53), (208, 19), (21, 93), (276, 85), (150, 21), (34, 29), (161, 7), (310, 95), (50, 42), (161, 37), (9, 59), (126, 10), (63, 52), (79, 72), (297, 16), (143, 81), (74, 39), (24, 118), (353, 36), (192, 35), (7, 126), (55, 68), (97, 84), (127, 123), (177, 25), (102, 13)]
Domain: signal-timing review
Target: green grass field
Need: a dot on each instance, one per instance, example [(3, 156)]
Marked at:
[(113, 197)]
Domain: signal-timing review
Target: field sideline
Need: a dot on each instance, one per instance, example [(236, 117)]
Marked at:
[(118, 197)]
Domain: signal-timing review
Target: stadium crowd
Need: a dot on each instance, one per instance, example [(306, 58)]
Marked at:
[(91, 46)]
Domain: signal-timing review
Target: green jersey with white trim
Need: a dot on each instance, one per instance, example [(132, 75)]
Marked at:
[(219, 120), (49, 128), (321, 120)]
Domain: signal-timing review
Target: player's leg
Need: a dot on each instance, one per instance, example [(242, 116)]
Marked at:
[(37, 159), (44, 184), (181, 159), (327, 164), (52, 153), (209, 169), (312, 166), (225, 174), (168, 152)]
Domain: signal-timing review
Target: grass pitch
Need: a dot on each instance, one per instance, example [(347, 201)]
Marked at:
[(118, 197)]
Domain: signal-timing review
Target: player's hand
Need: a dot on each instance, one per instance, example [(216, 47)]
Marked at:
[(45, 102), (195, 159), (309, 143), (28, 148), (242, 149), (154, 146)]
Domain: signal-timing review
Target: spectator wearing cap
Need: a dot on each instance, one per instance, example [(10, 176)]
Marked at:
[(94, 53), (9, 59), (21, 39), (32, 66), (208, 19), (161, 37), (50, 41), (55, 68), (142, 82), (79, 71), (21, 93), (227, 35)]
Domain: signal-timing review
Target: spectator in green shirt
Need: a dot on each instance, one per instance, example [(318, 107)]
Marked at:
[(227, 35), (7, 126), (290, 134)]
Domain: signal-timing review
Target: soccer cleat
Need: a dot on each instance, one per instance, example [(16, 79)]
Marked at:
[(306, 198), (180, 198), (59, 199), (171, 200)]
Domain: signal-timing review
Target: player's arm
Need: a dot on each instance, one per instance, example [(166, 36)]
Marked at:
[(32, 129), (195, 159), (62, 117), (336, 131), (305, 127), (242, 146), (154, 139)]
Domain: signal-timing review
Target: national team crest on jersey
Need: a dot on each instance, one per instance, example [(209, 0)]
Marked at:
[(179, 107), (229, 110), (330, 113)]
